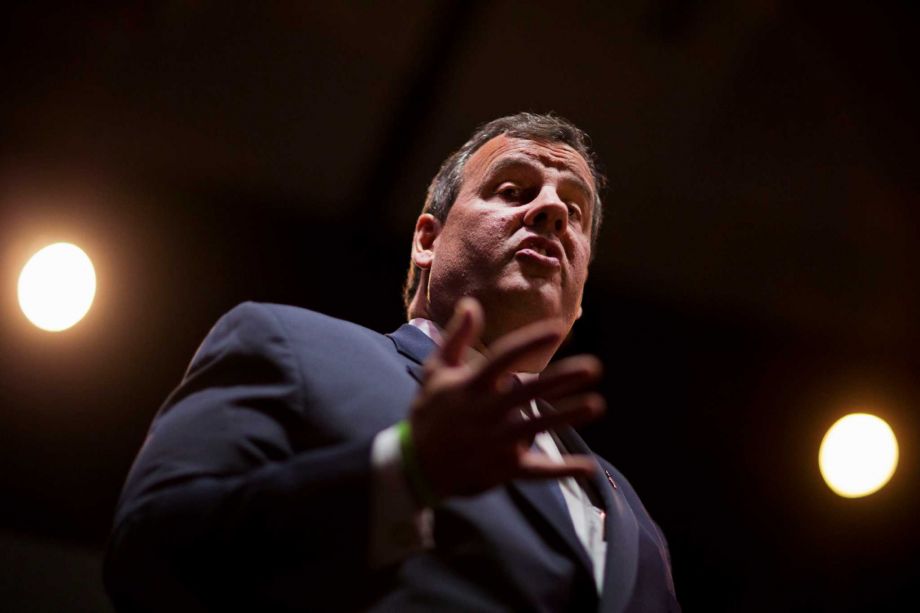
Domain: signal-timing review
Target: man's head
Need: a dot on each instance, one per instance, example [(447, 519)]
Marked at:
[(510, 219)]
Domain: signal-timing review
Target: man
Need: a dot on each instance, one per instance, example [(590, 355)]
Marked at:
[(306, 463)]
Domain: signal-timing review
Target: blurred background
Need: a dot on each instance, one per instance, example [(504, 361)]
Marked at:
[(756, 277)]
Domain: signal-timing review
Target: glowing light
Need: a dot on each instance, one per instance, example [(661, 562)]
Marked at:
[(858, 455), (57, 286)]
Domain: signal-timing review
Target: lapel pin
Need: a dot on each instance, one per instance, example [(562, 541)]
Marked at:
[(610, 479)]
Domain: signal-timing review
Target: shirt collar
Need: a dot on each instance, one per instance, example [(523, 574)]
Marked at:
[(430, 329)]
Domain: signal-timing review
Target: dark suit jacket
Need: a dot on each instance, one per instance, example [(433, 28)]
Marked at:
[(251, 492)]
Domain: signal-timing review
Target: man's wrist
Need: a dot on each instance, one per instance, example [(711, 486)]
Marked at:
[(419, 484), (399, 525)]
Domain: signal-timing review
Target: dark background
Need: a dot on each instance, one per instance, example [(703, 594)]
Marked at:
[(756, 276)]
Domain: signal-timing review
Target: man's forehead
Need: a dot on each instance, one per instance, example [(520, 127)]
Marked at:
[(550, 154)]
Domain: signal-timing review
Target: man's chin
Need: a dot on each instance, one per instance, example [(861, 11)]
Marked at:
[(533, 288), (526, 301)]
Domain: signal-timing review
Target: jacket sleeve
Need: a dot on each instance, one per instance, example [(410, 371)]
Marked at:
[(231, 503)]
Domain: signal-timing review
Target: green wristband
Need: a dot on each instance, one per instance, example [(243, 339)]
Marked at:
[(413, 471)]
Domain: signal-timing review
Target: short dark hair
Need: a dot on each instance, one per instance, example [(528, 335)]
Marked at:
[(549, 128)]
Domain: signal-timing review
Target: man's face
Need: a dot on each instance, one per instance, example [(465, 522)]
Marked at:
[(518, 237)]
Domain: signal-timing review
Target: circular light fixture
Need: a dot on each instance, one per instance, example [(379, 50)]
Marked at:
[(858, 455), (57, 286)]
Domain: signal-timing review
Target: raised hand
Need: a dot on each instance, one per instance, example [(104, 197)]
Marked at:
[(467, 427)]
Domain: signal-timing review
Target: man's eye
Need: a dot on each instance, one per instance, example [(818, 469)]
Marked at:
[(574, 212), (510, 192)]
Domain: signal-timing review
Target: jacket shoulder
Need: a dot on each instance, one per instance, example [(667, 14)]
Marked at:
[(260, 327), (285, 314), (288, 319)]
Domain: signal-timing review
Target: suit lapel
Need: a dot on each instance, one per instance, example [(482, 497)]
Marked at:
[(544, 499), (622, 564), (622, 529), (415, 345)]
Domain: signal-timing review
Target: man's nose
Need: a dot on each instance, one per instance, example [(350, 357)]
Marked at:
[(548, 211)]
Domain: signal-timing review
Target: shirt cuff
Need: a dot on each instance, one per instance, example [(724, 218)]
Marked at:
[(399, 527)]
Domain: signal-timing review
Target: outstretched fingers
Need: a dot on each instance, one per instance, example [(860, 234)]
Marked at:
[(560, 380), (572, 411), (539, 466)]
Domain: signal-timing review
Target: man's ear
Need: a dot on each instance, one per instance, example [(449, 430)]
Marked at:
[(427, 229), (580, 312)]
